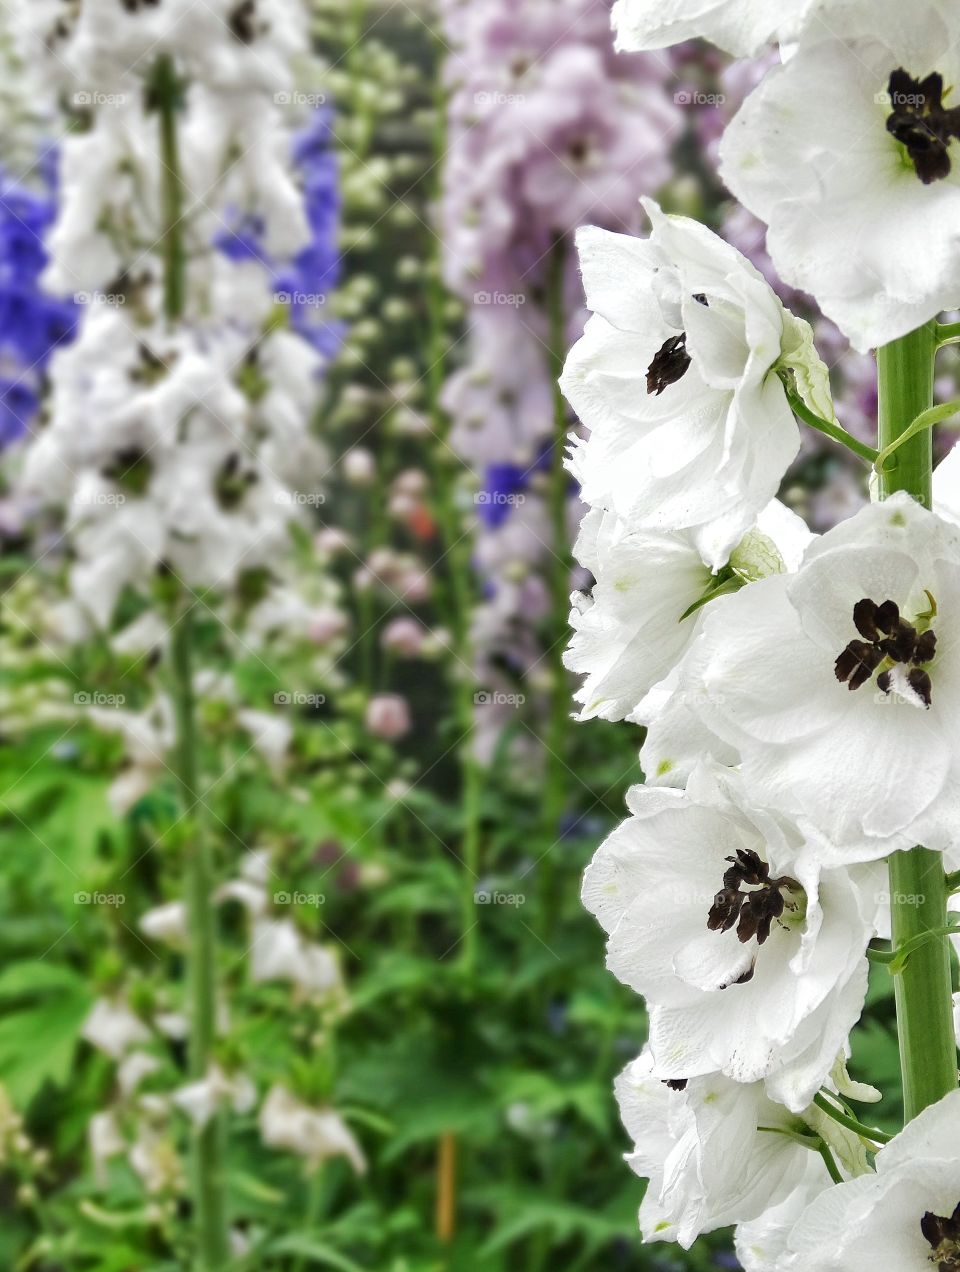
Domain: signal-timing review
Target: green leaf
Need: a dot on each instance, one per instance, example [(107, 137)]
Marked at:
[(310, 1248), (37, 1044)]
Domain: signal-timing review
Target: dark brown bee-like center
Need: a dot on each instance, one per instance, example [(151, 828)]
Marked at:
[(669, 364), (920, 122), (943, 1236), (671, 360), (750, 899), (887, 641)]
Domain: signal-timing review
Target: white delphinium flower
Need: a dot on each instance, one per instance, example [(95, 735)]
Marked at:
[(838, 686), (241, 63), (154, 1157), (862, 116), (280, 952), (906, 1216), (741, 27), (678, 378), (113, 1028), (631, 630), (718, 1152), (200, 1100), (105, 1141), (166, 923), (148, 736), (133, 1068), (159, 456), (752, 958), (761, 1242), (314, 1134)]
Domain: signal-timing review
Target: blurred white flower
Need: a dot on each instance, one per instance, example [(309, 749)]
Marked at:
[(314, 1134), (200, 1100), (113, 1028)]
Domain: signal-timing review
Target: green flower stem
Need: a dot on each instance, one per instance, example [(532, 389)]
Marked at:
[(947, 334), (832, 1169), (896, 959), (166, 91), (557, 779), (829, 429), (872, 1133), (462, 598), (212, 1244), (925, 420), (928, 1050)]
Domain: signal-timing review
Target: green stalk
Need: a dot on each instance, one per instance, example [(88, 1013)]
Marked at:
[(918, 888), (208, 1145), (462, 596), (560, 567), (212, 1242)]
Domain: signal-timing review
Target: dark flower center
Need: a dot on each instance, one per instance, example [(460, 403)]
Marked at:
[(669, 364), (671, 360), (888, 641), (751, 900), (920, 122), (943, 1237)]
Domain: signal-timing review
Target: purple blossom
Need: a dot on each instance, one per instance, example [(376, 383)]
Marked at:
[(32, 324)]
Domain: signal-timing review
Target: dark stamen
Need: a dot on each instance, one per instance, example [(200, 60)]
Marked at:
[(669, 364), (919, 122), (754, 913), (888, 638), (942, 1234)]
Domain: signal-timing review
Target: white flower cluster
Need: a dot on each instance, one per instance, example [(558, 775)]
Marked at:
[(176, 448), (801, 694), (238, 62)]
